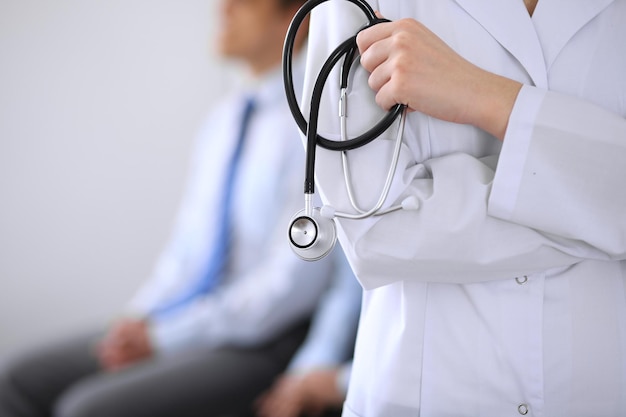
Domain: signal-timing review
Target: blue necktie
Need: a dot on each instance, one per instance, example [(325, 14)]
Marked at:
[(219, 256)]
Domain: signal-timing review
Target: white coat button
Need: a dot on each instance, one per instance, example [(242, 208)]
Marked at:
[(522, 409), (522, 280)]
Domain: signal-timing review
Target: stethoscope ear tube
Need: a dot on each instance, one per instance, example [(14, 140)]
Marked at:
[(348, 49), (312, 235), (288, 48)]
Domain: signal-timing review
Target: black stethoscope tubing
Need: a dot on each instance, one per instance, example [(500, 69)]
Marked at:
[(347, 48)]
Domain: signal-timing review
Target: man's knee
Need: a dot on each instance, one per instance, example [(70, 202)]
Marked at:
[(102, 395), (85, 399), (75, 405)]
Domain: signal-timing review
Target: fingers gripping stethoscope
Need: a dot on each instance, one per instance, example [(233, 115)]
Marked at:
[(312, 232)]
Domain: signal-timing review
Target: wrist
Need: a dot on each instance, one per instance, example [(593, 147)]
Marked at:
[(496, 97)]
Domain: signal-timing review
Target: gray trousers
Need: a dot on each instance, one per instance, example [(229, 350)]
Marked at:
[(65, 380)]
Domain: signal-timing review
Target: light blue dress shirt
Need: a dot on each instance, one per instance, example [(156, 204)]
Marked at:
[(266, 288)]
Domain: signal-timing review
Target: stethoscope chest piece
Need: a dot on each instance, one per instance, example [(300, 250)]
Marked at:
[(312, 236), (312, 232)]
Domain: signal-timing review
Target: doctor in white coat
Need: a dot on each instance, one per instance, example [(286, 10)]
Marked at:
[(505, 292)]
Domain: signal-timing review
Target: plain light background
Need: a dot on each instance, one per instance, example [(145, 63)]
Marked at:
[(99, 104)]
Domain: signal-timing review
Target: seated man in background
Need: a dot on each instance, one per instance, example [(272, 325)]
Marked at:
[(228, 303)]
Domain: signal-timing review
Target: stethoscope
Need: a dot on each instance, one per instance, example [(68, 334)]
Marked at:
[(312, 231)]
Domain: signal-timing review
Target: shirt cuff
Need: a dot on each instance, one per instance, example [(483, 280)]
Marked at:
[(172, 334), (343, 378)]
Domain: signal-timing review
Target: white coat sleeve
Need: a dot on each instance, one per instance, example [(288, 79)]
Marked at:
[(456, 235), (562, 170)]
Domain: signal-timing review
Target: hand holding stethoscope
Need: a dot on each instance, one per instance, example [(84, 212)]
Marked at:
[(410, 64), (407, 64)]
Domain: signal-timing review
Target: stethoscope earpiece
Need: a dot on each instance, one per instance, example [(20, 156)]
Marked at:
[(312, 236), (312, 231)]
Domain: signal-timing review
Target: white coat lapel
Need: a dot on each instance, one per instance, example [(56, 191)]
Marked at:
[(509, 23), (557, 21)]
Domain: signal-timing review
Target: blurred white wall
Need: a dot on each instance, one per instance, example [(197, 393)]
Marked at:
[(99, 103)]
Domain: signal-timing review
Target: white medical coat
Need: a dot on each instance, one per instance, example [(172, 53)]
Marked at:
[(504, 293)]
